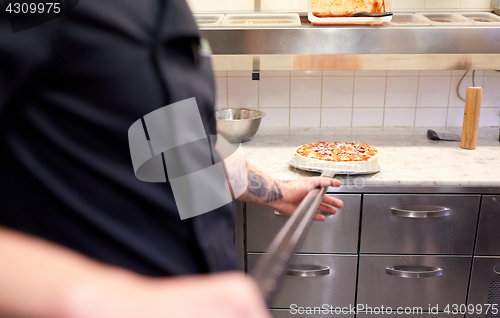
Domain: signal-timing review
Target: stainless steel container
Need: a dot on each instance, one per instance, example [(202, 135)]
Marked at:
[(238, 124)]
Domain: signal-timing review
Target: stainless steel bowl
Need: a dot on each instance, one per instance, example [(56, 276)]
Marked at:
[(238, 124)]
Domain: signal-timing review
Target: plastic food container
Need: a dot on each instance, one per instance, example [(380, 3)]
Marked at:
[(445, 19), (261, 20), (481, 18), (409, 20), (208, 19), (324, 12)]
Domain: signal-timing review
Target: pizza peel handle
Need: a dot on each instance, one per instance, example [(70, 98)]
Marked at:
[(271, 267)]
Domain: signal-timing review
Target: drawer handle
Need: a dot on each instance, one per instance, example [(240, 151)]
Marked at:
[(414, 271), (318, 212), (421, 211), (307, 270)]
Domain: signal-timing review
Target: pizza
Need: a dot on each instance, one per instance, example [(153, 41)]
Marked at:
[(337, 152)]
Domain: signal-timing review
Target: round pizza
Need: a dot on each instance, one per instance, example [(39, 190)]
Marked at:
[(337, 152)]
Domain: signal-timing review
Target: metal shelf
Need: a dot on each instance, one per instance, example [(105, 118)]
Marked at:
[(355, 48)]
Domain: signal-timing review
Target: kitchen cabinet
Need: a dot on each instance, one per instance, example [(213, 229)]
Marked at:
[(387, 236), (488, 234)]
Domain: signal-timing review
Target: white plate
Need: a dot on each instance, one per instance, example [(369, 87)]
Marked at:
[(349, 168)]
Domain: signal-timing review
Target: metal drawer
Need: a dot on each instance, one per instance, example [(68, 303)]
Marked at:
[(377, 287), (306, 313), (337, 234), (485, 285), (337, 288), (393, 224), (488, 234)]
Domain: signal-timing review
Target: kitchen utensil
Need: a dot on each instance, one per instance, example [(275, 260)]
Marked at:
[(271, 267), (471, 117), (238, 124), (432, 135)]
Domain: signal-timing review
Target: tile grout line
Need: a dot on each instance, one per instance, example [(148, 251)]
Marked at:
[(321, 101), (352, 99), (448, 104), (416, 100), (385, 100)]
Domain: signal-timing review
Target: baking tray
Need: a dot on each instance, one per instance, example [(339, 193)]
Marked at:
[(249, 20)]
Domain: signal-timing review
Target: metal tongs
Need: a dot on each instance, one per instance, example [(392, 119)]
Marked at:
[(271, 267)]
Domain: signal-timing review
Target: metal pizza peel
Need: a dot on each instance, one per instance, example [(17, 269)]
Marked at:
[(273, 265)]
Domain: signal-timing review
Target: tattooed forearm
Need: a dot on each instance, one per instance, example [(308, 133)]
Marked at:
[(274, 194), (257, 184)]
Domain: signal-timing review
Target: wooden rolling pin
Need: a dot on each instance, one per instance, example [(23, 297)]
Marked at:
[(471, 117)]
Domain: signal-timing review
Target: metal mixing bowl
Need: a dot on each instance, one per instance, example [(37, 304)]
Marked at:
[(238, 124)]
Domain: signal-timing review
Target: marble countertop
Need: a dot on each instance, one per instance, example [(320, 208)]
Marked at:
[(407, 157)]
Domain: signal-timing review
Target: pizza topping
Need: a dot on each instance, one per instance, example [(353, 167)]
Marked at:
[(337, 151)]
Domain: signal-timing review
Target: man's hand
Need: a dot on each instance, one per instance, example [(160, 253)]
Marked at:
[(286, 197), (294, 191), (40, 279), (228, 295)]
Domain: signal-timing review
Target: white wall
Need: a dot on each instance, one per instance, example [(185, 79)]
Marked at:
[(359, 98)]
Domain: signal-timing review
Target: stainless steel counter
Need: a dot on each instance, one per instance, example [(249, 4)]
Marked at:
[(354, 47)]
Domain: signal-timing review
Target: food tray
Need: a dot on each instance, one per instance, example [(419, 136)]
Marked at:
[(481, 18), (347, 20), (261, 20), (408, 20), (208, 19), (444, 19)]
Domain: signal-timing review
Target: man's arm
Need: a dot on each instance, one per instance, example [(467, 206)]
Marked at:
[(258, 187), (40, 279)]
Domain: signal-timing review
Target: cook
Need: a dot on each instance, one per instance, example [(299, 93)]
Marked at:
[(80, 236)]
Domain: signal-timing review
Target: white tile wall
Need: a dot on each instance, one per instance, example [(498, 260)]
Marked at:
[(221, 92), (274, 92), (336, 117), (305, 92), (242, 92), (432, 117), (348, 98), (369, 91), (399, 117), (276, 117), (337, 91), (433, 91), (305, 117), (367, 117), (401, 92)]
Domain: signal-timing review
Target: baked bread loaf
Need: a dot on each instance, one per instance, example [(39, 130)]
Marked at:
[(345, 8)]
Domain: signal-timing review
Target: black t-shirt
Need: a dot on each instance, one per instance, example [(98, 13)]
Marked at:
[(69, 91)]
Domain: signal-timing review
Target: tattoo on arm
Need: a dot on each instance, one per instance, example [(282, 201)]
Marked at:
[(274, 194), (257, 186)]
